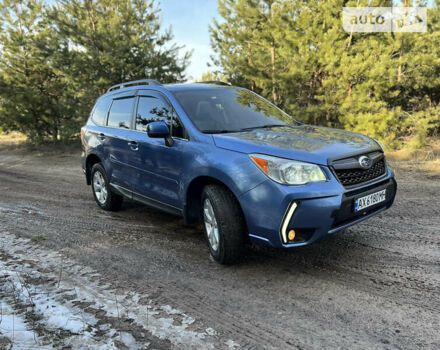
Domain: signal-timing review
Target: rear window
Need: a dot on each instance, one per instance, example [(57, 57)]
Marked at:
[(120, 113), (100, 111)]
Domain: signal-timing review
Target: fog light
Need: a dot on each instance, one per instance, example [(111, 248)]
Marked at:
[(291, 235)]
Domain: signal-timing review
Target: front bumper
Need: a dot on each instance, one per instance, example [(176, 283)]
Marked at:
[(320, 209)]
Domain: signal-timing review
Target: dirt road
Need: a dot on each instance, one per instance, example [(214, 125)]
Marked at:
[(138, 278)]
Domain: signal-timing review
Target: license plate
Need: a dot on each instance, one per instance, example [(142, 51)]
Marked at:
[(368, 201)]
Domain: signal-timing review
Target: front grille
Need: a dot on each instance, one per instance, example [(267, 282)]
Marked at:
[(350, 177)]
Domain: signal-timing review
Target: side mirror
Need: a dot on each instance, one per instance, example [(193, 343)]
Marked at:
[(159, 130)]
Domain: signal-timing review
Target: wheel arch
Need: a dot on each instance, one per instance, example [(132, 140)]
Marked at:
[(91, 160), (192, 207)]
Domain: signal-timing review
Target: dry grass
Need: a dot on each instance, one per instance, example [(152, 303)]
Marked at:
[(12, 139), (18, 142), (426, 159)]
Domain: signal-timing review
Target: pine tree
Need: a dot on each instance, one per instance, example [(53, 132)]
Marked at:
[(213, 76), (31, 91), (112, 41), (246, 44), (56, 60)]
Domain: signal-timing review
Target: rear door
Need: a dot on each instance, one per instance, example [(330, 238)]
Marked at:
[(119, 145), (158, 166)]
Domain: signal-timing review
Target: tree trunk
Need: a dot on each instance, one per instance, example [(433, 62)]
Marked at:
[(251, 64), (399, 69), (351, 34), (274, 86)]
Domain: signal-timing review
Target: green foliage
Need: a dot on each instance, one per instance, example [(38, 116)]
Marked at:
[(296, 53), (56, 60), (29, 89), (213, 76)]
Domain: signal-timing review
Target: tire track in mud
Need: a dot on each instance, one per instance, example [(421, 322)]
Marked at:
[(231, 326), (61, 222), (342, 270), (65, 305), (198, 302)]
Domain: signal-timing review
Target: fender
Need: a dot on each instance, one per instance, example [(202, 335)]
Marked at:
[(234, 169)]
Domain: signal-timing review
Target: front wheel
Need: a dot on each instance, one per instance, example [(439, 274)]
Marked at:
[(104, 197), (224, 224)]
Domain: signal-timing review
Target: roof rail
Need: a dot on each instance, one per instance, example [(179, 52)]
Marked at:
[(214, 82), (133, 83)]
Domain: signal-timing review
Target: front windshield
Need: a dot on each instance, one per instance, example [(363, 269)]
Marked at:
[(230, 110)]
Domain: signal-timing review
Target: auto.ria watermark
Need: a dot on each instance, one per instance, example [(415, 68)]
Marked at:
[(384, 19)]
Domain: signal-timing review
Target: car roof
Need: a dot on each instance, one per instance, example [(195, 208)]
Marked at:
[(195, 86), (170, 87)]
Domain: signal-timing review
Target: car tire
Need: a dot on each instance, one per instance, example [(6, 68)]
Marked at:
[(224, 224), (104, 197)]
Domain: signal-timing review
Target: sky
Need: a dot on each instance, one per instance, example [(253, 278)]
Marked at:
[(189, 21)]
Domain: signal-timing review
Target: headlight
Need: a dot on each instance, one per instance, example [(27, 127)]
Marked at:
[(288, 172)]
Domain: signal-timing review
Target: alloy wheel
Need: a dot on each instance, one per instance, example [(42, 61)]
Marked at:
[(100, 187), (211, 224)]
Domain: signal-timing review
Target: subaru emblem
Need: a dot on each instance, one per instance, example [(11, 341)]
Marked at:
[(365, 162)]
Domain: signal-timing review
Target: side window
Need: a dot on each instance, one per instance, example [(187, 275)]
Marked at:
[(100, 110), (120, 113), (152, 109)]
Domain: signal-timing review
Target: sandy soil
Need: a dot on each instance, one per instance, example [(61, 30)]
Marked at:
[(138, 278)]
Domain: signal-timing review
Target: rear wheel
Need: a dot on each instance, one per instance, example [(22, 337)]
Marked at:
[(104, 197), (224, 224)]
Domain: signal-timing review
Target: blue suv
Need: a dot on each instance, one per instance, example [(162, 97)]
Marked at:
[(228, 158)]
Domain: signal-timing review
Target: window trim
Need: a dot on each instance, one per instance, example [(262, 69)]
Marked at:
[(92, 113), (165, 99), (131, 111)]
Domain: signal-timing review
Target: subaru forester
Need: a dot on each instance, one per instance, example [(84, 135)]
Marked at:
[(228, 158)]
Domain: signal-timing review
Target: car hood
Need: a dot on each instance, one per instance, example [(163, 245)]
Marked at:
[(304, 143)]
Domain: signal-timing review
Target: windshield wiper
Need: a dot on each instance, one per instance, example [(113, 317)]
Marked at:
[(266, 126), (225, 131), (218, 131)]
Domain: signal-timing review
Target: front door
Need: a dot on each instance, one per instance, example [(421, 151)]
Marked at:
[(158, 166)]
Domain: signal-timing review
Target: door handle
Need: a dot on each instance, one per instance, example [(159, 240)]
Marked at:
[(133, 145), (102, 136)]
